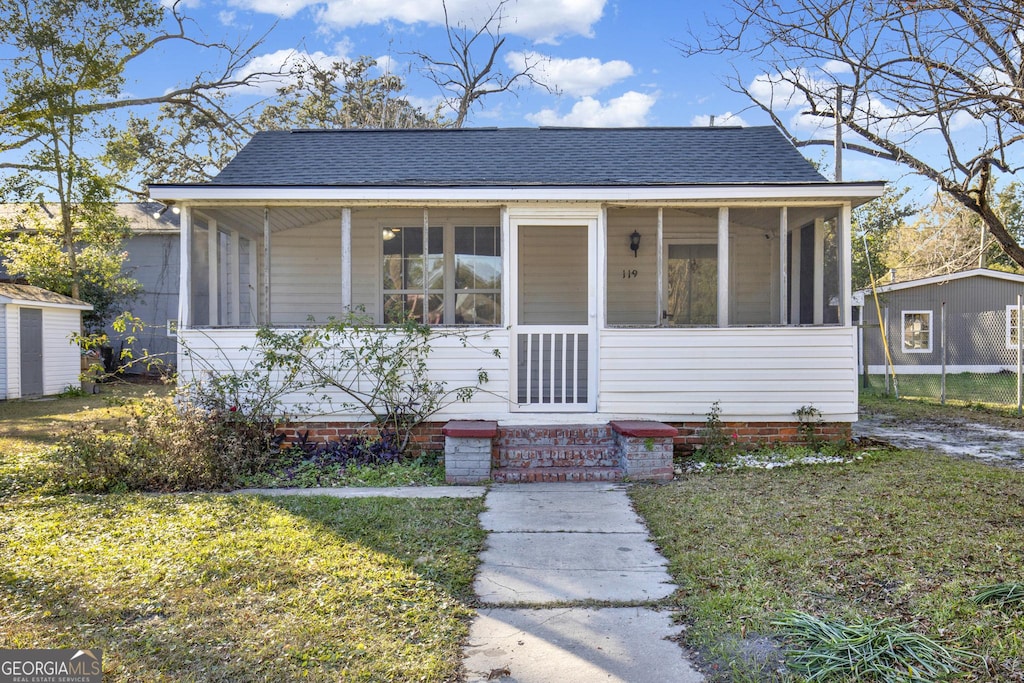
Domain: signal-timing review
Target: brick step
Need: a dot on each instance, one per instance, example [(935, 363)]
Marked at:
[(557, 456), (554, 474), (556, 435)]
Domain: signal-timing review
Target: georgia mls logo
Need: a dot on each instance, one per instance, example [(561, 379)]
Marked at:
[(51, 666)]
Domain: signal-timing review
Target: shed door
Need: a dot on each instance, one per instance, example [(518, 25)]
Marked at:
[(31, 352)]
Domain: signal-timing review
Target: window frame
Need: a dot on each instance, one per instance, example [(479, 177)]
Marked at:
[(447, 291), (1011, 328), (903, 331)]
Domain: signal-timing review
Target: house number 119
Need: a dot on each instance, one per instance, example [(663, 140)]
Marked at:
[(629, 274)]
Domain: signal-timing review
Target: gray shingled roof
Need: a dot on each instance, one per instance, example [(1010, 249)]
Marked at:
[(29, 293), (518, 156)]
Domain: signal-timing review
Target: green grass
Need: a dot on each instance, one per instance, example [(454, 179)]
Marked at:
[(905, 536), (994, 391), (234, 588)]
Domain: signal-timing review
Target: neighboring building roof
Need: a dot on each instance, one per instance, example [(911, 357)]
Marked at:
[(943, 279), (480, 157), (140, 215), (31, 295)]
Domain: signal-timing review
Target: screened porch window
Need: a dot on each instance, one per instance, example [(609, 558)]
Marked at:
[(462, 275), (691, 272)]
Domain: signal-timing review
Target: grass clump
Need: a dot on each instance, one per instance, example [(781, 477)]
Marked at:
[(829, 649), (1001, 595)]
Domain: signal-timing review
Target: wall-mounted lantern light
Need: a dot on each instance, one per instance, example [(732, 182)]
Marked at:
[(634, 242)]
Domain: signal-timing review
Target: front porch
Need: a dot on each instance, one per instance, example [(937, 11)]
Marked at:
[(578, 313)]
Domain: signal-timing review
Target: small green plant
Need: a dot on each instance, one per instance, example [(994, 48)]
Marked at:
[(716, 445), (809, 418), (827, 649), (71, 391), (1000, 595)]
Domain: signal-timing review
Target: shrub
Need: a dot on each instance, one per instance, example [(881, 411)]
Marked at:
[(163, 447)]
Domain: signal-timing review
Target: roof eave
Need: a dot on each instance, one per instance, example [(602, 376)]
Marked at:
[(856, 192)]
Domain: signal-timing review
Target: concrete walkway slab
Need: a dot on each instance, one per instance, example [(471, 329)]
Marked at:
[(575, 507), (540, 568), (624, 644), (373, 492)]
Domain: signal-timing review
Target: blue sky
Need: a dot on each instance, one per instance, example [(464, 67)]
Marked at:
[(614, 64)]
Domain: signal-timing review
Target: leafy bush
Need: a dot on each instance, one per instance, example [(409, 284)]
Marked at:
[(163, 447), (355, 460)]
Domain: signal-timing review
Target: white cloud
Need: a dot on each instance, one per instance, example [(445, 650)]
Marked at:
[(278, 65), (539, 20), (630, 109), (226, 17), (834, 67), (726, 119), (281, 8), (577, 77)]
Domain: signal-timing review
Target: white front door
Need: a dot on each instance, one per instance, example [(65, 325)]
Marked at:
[(554, 317)]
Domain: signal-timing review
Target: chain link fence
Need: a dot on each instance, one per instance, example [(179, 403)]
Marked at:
[(979, 354)]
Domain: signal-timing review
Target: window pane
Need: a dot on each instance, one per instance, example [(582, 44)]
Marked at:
[(477, 309), (692, 271)]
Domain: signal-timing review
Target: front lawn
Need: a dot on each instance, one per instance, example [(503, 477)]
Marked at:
[(205, 587), (236, 588), (905, 535)]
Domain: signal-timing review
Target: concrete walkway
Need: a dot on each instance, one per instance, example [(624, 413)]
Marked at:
[(552, 551)]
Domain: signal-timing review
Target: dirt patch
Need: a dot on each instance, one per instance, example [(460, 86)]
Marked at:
[(995, 444)]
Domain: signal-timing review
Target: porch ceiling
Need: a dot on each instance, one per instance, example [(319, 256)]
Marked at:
[(249, 219)]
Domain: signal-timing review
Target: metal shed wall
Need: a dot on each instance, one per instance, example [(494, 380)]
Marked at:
[(975, 323)]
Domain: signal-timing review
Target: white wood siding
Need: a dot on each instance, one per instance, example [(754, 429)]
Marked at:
[(62, 359), (761, 374), (220, 351), (4, 361), (306, 274), (12, 332), (758, 374)]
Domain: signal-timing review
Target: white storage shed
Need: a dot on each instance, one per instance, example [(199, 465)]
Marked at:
[(37, 354)]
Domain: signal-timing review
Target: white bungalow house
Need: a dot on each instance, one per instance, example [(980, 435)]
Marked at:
[(621, 274)]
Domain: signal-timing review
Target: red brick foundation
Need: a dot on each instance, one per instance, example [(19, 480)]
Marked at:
[(427, 437), (760, 433)]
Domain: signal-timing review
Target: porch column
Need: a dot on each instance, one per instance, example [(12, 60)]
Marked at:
[(213, 269), (783, 264), (426, 267), (845, 262), (660, 269), (265, 305), (185, 272), (236, 281), (723, 266), (819, 271), (346, 260), (506, 267)]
